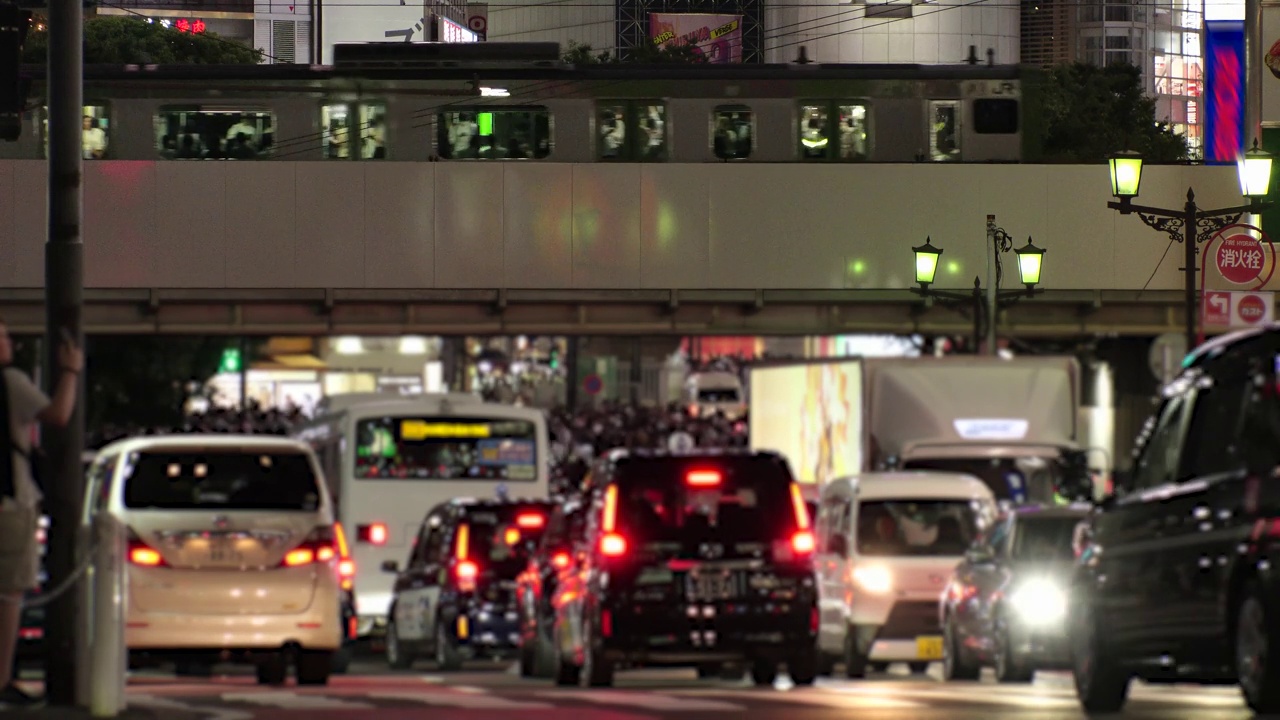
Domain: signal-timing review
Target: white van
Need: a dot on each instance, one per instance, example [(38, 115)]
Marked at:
[(708, 393), (233, 553), (887, 544)]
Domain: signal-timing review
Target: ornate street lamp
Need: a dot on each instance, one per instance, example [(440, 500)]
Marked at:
[(1126, 174), (1255, 173), (926, 262), (1030, 262)]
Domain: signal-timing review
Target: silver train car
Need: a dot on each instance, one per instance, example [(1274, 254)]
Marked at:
[(518, 102)]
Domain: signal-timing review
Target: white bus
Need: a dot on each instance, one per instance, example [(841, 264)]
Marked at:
[(390, 459)]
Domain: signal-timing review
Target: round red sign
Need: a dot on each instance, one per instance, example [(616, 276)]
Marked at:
[(1251, 309), (1240, 258)]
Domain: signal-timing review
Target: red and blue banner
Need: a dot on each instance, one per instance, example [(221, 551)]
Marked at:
[(1224, 91)]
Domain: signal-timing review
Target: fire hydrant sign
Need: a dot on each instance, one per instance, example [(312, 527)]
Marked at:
[(1229, 309), (1240, 258)]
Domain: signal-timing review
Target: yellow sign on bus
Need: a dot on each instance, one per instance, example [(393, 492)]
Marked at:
[(422, 430)]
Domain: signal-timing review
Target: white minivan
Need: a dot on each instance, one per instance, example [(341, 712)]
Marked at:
[(232, 554), (887, 544)]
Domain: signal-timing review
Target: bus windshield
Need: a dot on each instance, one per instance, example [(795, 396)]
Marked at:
[(446, 448)]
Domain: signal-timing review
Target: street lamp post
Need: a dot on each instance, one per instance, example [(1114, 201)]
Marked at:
[(1030, 264), (1190, 225)]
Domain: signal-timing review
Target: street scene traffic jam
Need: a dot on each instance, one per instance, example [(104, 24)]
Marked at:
[(647, 359)]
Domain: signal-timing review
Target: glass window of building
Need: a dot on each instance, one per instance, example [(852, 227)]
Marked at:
[(995, 116), (733, 132), (494, 134), (337, 131), (95, 132), (632, 131), (814, 139), (195, 133), (944, 130)]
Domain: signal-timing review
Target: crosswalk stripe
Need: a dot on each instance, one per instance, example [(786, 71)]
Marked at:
[(969, 698), (818, 698), (152, 702), (294, 701), (463, 701), (643, 700)]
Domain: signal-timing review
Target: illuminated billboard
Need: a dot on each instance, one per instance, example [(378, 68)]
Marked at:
[(1224, 91), (811, 414)]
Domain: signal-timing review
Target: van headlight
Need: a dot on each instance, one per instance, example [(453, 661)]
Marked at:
[(1040, 601), (875, 579)]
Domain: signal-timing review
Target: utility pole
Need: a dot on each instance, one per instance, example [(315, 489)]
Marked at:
[(64, 286), (993, 288)]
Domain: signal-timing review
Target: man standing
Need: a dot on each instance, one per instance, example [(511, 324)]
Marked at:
[(22, 405)]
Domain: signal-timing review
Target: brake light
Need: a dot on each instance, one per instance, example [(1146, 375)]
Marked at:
[(560, 560), (511, 536), (319, 547), (530, 521), (802, 543), (466, 573), (375, 534), (140, 553), (613, 545), (703, 478), (610, 520), (347, 569)]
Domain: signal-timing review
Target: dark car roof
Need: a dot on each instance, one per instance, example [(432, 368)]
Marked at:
[(1031, 512)]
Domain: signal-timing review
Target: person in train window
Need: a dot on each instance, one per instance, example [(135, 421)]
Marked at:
[(813, 137), (374, 146), (243, 125), (93, 139), (462, 130), (726, 139), (338, 142), (613, 132), (239, 148), (515, 150), (851, 146), (655, 129)]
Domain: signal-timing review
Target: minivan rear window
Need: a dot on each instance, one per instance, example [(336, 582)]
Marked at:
[(220, 480), (691, 500), (895, 528)]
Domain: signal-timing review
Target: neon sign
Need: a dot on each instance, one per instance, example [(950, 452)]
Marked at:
[(1224, 91)]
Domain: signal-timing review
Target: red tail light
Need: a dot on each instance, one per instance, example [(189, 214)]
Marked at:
[(799, 508), (375, 534), (319, 547), (466, 573), (140, 553), (802, 543), (703, 478), (613, 545), (560, 560), (347, 569), (530, 521)]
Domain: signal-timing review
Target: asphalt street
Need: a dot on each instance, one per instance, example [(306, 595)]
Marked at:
[(493, 692)]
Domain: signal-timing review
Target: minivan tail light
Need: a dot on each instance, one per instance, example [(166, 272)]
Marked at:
[(319, 547), (142, 554)]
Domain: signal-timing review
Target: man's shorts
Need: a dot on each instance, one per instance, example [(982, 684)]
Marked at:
[(19, 550)]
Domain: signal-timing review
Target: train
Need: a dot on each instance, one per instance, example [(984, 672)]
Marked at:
[(521, 102)]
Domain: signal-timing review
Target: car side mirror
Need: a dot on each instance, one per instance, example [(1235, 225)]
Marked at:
[(390, 566), (838, 545)]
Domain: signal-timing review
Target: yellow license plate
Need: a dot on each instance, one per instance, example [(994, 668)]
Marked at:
[(929, 647)]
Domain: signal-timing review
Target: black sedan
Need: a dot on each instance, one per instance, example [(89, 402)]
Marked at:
[(1006, 604)]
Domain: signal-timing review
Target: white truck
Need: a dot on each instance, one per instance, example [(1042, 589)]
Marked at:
[(1014, 423)]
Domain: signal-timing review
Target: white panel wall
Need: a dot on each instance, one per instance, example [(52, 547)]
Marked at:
[(524, 225), (1271, 75), (589, 22), (937, 33)]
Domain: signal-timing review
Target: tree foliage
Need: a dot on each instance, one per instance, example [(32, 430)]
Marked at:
[(647, 54), (144, 380), (1091, 112), (119, 40)]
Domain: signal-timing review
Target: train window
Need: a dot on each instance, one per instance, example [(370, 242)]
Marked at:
[(813, 132), (336, 130), (834, 131), (195, 133), (647, 141), (95, 132), (944, 130), (995, 116), (853, 132), (733, 132), (494, 134)]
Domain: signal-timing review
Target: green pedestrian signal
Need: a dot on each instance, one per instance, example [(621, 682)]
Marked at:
[(230, 361)]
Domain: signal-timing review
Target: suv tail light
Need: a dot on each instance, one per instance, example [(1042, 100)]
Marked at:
[(530, 521), (560, 560), (802, 543), (613, 545), (374, 534), (703, 478), (140, 553), (466, 573), (319, 547)]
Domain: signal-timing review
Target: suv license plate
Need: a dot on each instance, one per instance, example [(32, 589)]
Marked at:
[(711, 587)]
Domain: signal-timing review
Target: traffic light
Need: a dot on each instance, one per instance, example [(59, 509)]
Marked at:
[(231, 361), (14, 24), (555, 358)]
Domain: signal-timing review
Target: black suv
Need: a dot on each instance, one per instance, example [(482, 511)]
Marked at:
[(1177, 583), (702, 560), (456, 598)]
